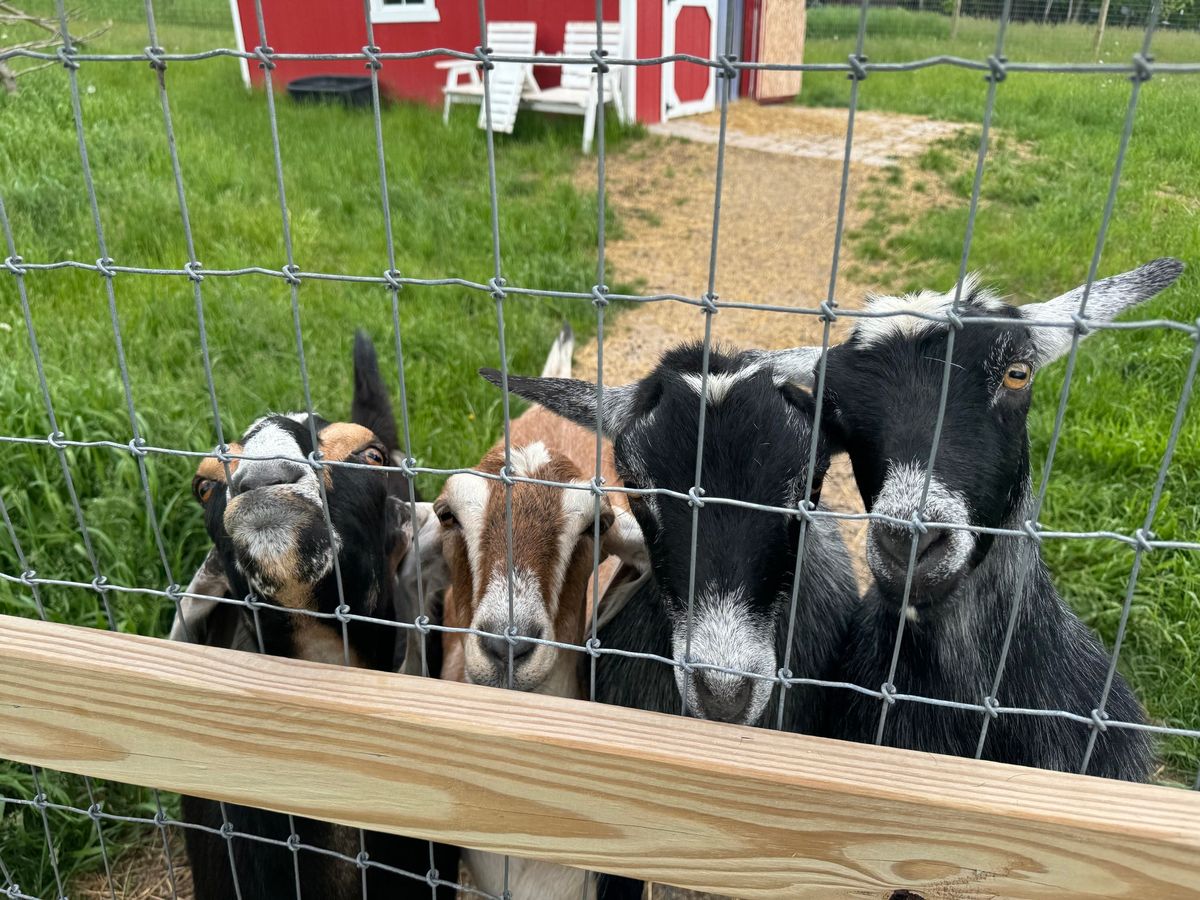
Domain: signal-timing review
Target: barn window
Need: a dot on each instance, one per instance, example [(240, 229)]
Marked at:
[(404, 11)]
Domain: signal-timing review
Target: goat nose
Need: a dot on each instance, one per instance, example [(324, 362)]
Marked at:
[(897, 542), (723, 697), (266, 473), (497, 647)]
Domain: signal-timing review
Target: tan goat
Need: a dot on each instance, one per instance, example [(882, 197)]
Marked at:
[(552, 582)]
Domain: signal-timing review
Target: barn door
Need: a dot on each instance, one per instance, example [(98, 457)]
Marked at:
[(689, 26)]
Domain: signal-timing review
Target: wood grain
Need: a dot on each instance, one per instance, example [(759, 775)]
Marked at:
[(718, 808)]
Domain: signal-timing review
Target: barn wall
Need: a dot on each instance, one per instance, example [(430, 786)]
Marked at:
[(649, 44), (336, 26)]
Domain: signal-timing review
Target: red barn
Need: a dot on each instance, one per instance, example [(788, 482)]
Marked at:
[(648, 28)]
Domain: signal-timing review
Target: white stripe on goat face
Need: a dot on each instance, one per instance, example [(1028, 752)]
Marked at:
[(724, 634), (269, 444)]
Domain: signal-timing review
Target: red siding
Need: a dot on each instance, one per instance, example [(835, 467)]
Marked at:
[(649, 44), (693, 36), (336, 26)]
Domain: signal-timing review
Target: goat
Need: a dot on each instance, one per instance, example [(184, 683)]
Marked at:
[(270, 538), (882, 391), (757, 440), (552, 559)]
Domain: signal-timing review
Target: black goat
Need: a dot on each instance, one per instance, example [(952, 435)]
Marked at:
[(882, 392), (270, 538)]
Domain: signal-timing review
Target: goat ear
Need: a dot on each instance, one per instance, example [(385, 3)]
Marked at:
[(372, 405), (624, 539), (573, 399), (192, 615), (795, 366), (1107, 298)]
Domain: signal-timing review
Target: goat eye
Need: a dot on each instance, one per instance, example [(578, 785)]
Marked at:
[(203, 488), (1017, 376), (445, 515), (373, 456)]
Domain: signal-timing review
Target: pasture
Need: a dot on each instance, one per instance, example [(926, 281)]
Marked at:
[(1043, 190)]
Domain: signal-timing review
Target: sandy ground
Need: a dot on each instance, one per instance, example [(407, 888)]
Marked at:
[(778, 218)]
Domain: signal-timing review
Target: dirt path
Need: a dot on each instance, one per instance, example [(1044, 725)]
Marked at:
[(778, 218)]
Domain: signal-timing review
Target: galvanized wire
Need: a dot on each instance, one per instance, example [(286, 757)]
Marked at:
[(726, 65)]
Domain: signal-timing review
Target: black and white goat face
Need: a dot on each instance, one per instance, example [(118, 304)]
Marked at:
[(757, 439), (882, 392), (268, 526)]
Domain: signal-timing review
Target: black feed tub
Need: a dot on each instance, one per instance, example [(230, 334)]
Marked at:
[(351, 90)]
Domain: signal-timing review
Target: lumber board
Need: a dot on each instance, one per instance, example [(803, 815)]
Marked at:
[(739, 811)]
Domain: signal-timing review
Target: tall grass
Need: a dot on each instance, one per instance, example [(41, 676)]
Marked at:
[(1044, 187)]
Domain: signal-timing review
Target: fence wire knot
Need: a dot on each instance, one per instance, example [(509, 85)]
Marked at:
[(728, 69), (1083, 325), (174, 592), (342, 613), (293, 842), (992, 707), (40, 801), (596, 486), (137, 446), (708, 302), (223, 456), (94, 811), (592, 645), (314, 460), (362, 859), (104, 266), (785, 678), (226, 830), (1100, 720), (483, 54), (804, 509), (496, 287), (100, 584), (28, 578), (13, 264), (252, 603), (828, 311), (392, 277), (371, 52), (160, 819), (858, 67), (510, 635), (695, 497), (1143, 538), (599, 295), (1143, 69), (155, 55), (421, 623), (598, 58), (888, 692), (505, 476), (291, 274), (263, 55), (917, 524), (407, 467), (1032, 530), (192, 269), (953, 319), (56, 440), (997, 68), (66, 55), (432, 877)]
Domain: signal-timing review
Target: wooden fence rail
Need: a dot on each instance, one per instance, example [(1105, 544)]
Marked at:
[(745, 812)]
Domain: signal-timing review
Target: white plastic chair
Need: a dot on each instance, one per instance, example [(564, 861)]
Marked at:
[(506, 81), (576, 94)]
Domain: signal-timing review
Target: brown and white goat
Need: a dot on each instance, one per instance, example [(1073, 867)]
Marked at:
[(552, 559)]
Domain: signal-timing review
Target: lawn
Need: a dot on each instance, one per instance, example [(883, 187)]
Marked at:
[(440, 203), (1043, 192)]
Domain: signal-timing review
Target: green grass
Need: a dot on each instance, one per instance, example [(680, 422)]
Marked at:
[(1043, 192), (442, 219)]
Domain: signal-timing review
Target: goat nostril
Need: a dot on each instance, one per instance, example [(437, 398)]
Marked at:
[(497, 647), (723, 697)]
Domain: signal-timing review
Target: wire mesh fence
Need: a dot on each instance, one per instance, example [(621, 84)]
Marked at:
[(1140, 67)]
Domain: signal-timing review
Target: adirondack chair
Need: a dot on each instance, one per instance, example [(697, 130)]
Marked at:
[(506, 80), (576, 94)]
